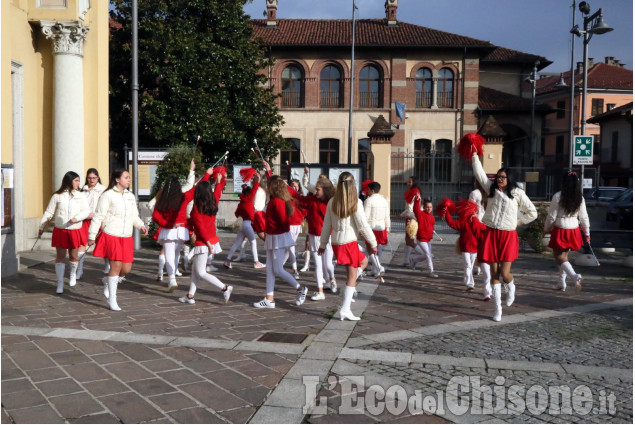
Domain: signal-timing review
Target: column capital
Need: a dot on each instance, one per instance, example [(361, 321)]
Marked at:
[(68, 36)]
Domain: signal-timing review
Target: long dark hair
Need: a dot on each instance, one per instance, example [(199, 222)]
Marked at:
[(415, 183), (114, 176), (92, 171), (204, 199), (67, 182), (571, 193), (170, 197), (511, 183)]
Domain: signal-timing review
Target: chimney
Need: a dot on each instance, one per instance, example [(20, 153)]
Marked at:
[(391, 12), (272, 8), (610, 60), (579, 68), (589, 63)]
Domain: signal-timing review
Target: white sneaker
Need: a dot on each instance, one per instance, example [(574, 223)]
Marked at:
[(296, 275), (172, 286), (228, 292), (160, 277), (319, 296), (187, 300), (301, 295), (259, 265), (211, 269), (432, 274), (265, 303), (559, 286), (178, 273), (227, 264), (469, 287)]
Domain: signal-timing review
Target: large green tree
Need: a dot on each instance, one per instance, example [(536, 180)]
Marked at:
[(198, 76)]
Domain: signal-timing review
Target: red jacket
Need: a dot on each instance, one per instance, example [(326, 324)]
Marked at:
[(204, 226), (245, 208), (276, 219), (298, 214), (315, 210), (425, 221), (470, 231), (169, 218)]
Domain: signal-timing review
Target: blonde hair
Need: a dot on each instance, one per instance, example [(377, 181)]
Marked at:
[(327, 188), (345, 199), (278, 189)]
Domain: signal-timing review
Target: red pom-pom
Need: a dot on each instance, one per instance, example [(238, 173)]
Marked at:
[(446, 204), (470, 143), (365, 184), (466, 209), (218, 170), (247, 173), (410, 195)]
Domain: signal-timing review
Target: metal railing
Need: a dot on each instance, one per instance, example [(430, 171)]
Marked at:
[(424, 99), (291, 99), (368, 99), (329, 99)]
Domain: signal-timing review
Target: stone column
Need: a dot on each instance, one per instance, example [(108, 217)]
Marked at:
[(380, 136), (68, 96)]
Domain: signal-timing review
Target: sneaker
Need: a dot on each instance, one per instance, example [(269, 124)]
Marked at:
[(160, 277), (487, 298), (468, 287), (228, 292), (412, 264), (432, 274), (296, 275), (333, 286), (319, 296), (211, 269), (265, 303), (172, 286), (559, 287), (187, 300), (301, 295), (227, 264), (178, 273), (259, 265)]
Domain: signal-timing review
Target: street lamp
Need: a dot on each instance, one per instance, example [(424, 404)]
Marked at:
[(598, 27)]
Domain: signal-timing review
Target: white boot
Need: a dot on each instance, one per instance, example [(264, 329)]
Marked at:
[(106, 266), (511, 294), (577, 278), (487, 292), (80, 266), (345, 311), (59, 271), (112, 292), (161, 267), (72, 281), (307, 260), (498, 308), (104, 280), (562, 283)]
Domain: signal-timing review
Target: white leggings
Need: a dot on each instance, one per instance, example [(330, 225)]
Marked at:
[(199, 273), (246, 231), (487, 278), (323, 264), (425, 248), (172, 251), (468, 265), (275, 267)]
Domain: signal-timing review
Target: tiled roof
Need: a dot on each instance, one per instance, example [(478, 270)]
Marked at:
[(494, 100), (613, 113), (600, 76), (501, 54), (368, 32)]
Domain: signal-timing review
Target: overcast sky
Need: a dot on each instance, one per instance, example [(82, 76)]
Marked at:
[(539, 27)]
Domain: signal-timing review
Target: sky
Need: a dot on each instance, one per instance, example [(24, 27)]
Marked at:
[(539, 27)]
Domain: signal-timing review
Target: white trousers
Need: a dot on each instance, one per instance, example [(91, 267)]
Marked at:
[(427, 250), (275, 267), (172, 251), (199, 273), (487, 280), (468, 265), (246, 231), (324, 268)]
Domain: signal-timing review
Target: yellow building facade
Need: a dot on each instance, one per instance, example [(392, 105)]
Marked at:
[(54, 84)]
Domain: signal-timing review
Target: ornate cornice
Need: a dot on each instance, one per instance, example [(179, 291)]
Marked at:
[(67, 36)]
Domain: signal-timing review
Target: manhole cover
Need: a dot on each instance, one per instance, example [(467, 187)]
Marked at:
[(283, 337)]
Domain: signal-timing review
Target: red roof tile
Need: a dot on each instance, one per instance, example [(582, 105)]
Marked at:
[(494, 100), (600, 76), (368, 32), (502, 54), (624, 110)]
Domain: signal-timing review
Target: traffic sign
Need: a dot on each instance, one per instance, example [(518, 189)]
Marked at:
[(583, 150)]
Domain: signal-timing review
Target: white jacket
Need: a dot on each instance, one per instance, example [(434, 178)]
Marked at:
[(502, 211), (558, 218), (477, 198), (116, 213), (64, 206), (377, 212), (92, 195), (347, 229)]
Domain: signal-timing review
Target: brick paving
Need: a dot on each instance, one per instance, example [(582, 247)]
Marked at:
[(68, 359)]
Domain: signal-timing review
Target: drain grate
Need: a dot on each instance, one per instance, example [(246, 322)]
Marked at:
[(283, 337)]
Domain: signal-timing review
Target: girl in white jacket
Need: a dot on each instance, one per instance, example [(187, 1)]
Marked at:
[(116, 214), (68, 208), (566, 212), (500, 240), (345, 217), (92, 190)]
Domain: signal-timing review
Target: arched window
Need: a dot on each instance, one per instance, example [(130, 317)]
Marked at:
[(329, 151), (330, 87), (445, 89), (424, 88), (292, 87), (369, 87)]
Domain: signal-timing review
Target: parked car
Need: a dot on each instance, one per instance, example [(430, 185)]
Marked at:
[(603, 193), (621, 209)]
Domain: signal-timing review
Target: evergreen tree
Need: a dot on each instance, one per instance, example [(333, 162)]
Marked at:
[(199, 75)]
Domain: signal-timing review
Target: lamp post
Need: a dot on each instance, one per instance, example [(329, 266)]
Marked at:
[(350, 108), (532, 132)]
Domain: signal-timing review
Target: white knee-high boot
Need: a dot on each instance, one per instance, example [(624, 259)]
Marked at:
[(568, 269), (80, 265), (562, 280), (161, 267), (72, 281), (511, 293), (498, 308), (345, 311), (113, 281), (104, 280), (59, 271)]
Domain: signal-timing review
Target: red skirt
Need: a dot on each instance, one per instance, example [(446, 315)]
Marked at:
[(258, 223), (381, 236), (349, 254), (155, 236), (564, 239), (85, 226), (68, 239), (499, 245), (114, 248)]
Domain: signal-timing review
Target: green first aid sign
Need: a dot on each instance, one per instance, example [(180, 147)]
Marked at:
[(583, 150)]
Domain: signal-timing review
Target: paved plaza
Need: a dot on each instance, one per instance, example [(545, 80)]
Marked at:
[(425, 351)]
